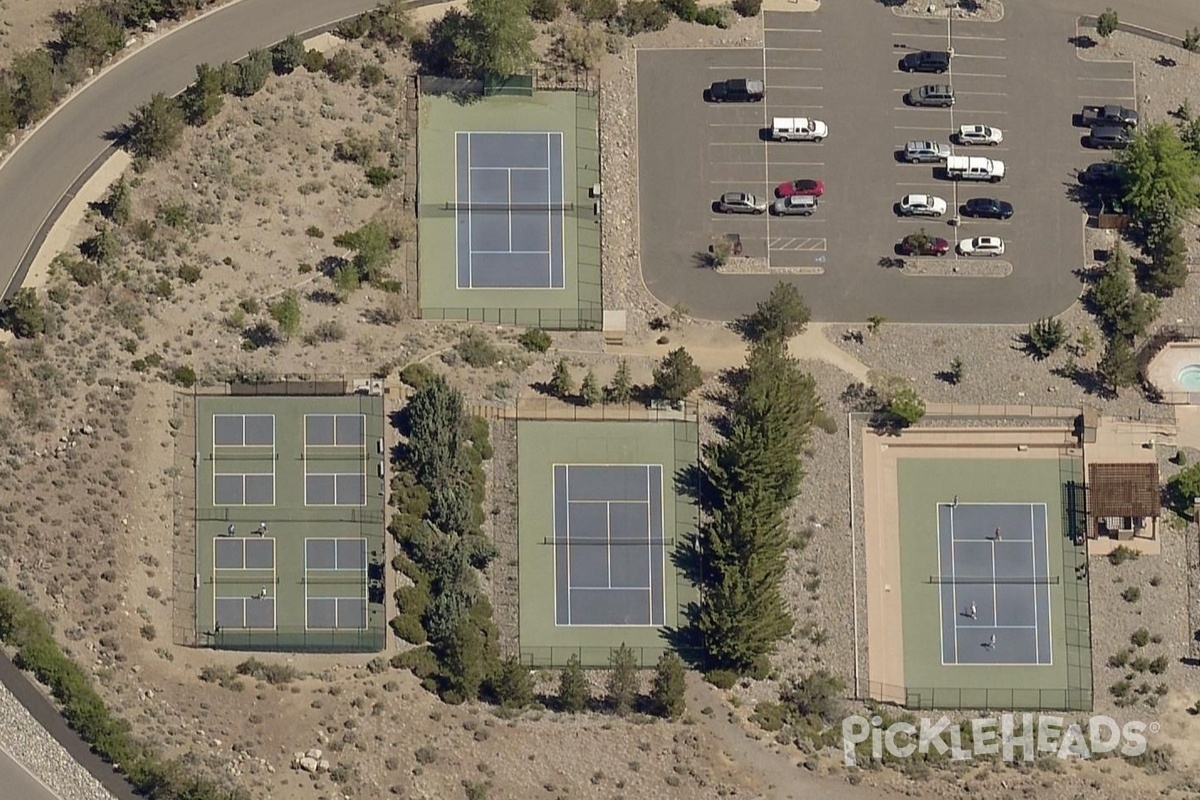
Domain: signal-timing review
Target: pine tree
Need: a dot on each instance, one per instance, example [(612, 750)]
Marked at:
[(677, 376), (622, 680), (782, 315), (1117, 366), (573, 690), (1168, 252), (156, 127), (561, 383), (621, 388), (202, 100), (465, 661), (589, 391), (512, 684), (670, 687)]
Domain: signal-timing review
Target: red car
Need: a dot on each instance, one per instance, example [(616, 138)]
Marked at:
[(797, 187), (932, 246)]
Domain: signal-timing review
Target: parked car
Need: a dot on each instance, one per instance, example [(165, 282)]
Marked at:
[(1109, 114), (975, 168), (798, 129), (937, 61), (982, 246), (979, 134), (742, 203), (927, 152), (931, 95), (987, 208), (1109, 137), (1102, 173), (922, 205), (800, 186), (919, 245), (736, 90), (798, 205)]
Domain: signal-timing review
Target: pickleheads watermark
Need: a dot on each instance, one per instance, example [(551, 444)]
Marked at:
[(1015, 737)]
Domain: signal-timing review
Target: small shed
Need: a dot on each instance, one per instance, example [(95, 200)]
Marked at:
[(1123, 500)]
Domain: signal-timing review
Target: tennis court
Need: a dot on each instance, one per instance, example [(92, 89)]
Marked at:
[(609, 550), (289, 522), (509, 210), (603, 511), (994, 583)]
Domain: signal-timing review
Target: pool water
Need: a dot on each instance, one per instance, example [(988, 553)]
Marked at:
[(1189, 377)]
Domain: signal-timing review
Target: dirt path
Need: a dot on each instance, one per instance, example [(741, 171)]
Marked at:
[(780, 775), (717, 348)]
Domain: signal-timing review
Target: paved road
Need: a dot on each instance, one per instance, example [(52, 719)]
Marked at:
[(34, 179)]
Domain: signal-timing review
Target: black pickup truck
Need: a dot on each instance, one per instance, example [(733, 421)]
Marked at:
[(736, 90), (1111, 114)]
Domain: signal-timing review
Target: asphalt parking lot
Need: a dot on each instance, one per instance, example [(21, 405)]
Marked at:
[(839, 65)]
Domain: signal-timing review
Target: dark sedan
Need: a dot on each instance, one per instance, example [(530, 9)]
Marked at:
[(987, 208), (935, 61), (1102, 173)]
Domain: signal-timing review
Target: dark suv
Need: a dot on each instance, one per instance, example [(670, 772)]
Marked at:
[(937, 61), (736, 90)]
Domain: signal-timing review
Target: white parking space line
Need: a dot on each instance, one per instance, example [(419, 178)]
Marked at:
[(807, 69), (928, 110), (978, 75), (1106, 97), (775, 163), (728, 67), (775, 87), (794, 30), (795, 49), (751, 125), (981, 94), (925, 186), (940, 129), (972, 55), (1114, 80)]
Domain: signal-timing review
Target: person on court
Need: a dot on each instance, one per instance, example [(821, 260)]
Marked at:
[(262, 595), (971, 612), (992, 642), (996, 535)]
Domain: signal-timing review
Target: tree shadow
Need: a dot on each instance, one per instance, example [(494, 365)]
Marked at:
[(1082, 41), (1164, 60), (947, 376), (330, 264), (325, 297), (892, 262), (704, 259), (1089, 380)]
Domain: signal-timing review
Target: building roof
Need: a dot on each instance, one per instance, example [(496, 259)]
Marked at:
[(1123, 490)]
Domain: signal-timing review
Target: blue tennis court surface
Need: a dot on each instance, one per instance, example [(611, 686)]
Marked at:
[(509, 210), (994, 564), (608, 545)]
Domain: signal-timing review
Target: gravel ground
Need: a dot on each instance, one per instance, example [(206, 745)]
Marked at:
[(38, 752), (980, 11)]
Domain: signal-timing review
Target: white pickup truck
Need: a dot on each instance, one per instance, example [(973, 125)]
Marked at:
[(975, 168), (798, 129)]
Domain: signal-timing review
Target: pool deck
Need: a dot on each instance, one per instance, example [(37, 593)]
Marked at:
[(1164, 369)]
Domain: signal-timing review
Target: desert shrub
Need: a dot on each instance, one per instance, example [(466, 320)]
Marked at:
[(747, 8), (354, 149), (190, 273), (313, 232), (353, 28), (328, 331), (380, 176), (370, 75), (288, 55), (420, 660), (721, 678), (274, 674), (642, 16), (545, 10), (535, 340), (595, 10), (85, 273), (314, 61), (253, 72), (408, 628), (342, 66), (1140, 637), (711, 15), (1122, 554), (417, 375), (579, 48), (686, 10), (184, 376), (475, 348)]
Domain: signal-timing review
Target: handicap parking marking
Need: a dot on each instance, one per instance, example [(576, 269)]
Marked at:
[(810, 244)]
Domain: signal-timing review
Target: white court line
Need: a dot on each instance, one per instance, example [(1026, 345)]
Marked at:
[(1033, 557), (978, 628), (650, 553), (954, 586), (941, 606), (608, 540), (567, 533), (995, 591)]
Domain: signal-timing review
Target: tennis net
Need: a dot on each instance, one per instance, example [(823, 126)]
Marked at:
[(596, 541), (508, 207), (1044, 580)]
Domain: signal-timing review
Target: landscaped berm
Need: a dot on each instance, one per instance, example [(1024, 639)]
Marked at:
[(289, 522), (607, 512), (508, 221), (976, 569)]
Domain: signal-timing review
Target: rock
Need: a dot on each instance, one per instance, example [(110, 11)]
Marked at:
[(308, 764), (322, 766), (314, 753), (87, 430)]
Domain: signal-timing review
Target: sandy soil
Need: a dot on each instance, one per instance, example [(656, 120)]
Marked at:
[(25, 24), (245, 211)]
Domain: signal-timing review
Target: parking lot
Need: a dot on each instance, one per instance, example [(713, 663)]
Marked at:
[(839, 65)]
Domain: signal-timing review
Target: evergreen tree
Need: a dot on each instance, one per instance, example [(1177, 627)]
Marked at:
[(286, 313), (677, 376), (1117, 367), (202, 100), (93, 31), (573, 690), (253, 72), (8, 111), (288, 55), (622, 680), (372, 250), (24, 314), (464, 659), (513, 685), (589, 390), (670, 687), (1168, 253), (117, 205), (782, 315), (155, 127), (621, 388), (33, 75), (498, 37), (561, 383), (906, 407)]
